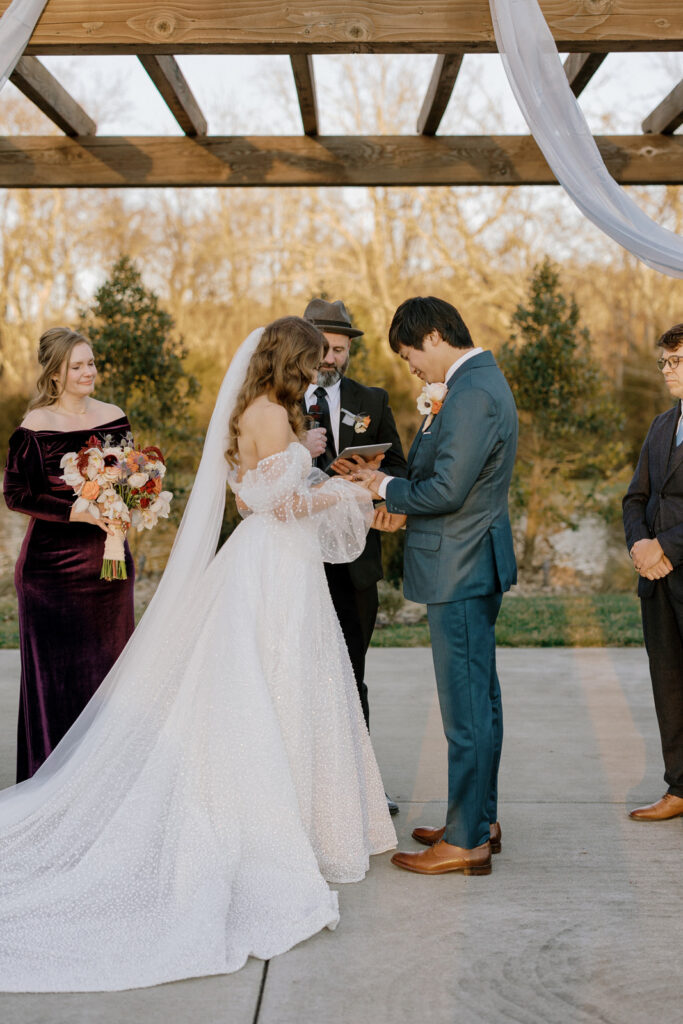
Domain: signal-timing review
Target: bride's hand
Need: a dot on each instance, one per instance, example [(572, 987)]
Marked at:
[(370, 480)]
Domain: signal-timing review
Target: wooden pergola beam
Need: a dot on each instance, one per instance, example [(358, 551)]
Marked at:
[(176, 93), (668, 115), (96, 161), (302, 69), (339, 26), (580, 68), (43, 89), (439, 92)]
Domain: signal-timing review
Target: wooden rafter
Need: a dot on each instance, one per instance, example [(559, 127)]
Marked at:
[(302, 68), (439, 92), (177, 94), (34, 162), (337, 26), (43, 89), (580, 68), (668, 116)]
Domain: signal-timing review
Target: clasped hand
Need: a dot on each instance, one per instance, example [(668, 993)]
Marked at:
[(649, 559), (364, 472), (361, 471), (368, 477)]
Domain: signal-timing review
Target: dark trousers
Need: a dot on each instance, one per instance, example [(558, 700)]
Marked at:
[(357, 612), (464, 652), (663, 631)]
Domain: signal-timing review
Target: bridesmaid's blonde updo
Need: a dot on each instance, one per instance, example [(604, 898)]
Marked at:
[(54, 351), (285, 362)]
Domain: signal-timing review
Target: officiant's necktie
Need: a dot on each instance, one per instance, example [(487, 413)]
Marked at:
[(325, 421)]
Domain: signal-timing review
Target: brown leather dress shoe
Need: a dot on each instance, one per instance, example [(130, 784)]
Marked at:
[(428, 836), (669, 806), (442, 857)]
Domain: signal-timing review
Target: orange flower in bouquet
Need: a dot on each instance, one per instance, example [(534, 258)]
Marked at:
[(122, 484)]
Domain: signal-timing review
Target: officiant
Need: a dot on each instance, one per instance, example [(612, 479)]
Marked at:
[(348, 414)]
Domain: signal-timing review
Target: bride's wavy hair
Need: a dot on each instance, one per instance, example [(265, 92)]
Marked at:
[(283, 365)]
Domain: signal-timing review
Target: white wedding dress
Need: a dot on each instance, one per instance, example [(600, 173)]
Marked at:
[(195, 814)]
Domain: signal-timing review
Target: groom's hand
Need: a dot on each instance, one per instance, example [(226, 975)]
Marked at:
[(388, 522), (370, 479)]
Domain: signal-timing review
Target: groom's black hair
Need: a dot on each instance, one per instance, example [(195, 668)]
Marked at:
[(416, 318)]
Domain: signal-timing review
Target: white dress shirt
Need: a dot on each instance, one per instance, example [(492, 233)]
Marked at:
[(458, 362), (334, 403), (471, 352)]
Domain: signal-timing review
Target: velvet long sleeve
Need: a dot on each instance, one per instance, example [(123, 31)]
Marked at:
[(25, 481)]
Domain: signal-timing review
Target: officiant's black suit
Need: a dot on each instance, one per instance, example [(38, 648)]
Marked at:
[(353, 585), (653, 507)]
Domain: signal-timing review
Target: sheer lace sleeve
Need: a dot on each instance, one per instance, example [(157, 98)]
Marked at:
[(285, 489)]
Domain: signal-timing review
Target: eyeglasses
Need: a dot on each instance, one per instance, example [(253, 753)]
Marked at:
[(672, 362)]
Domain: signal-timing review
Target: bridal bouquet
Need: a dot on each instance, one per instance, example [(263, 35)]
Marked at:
[(121, 483)]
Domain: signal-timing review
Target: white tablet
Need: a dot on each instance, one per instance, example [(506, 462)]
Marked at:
[(366, 451)]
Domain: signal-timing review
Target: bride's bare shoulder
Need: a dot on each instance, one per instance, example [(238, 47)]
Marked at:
[(261, 411), (264, 428)]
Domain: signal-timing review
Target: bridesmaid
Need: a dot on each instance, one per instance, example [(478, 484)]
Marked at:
[(72, 625)]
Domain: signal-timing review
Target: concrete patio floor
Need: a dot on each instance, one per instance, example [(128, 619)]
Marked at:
[(580, 921)]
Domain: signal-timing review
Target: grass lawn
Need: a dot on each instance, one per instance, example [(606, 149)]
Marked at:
[(590, 620)]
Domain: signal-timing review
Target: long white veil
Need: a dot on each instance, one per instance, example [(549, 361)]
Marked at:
[(193, 550)]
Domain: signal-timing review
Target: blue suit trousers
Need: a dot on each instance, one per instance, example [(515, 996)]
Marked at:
[(464, 653)]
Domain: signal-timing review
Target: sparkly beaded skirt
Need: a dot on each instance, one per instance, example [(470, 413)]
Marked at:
[(218, 791)]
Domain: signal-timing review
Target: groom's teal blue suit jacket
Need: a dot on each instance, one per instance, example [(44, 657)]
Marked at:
[(459, 541)]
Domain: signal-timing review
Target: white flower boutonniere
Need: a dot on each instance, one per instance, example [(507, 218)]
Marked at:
[(360, 420), (430, 399)]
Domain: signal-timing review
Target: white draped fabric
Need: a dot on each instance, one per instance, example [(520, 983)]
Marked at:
[(16, 28), (555, 119)]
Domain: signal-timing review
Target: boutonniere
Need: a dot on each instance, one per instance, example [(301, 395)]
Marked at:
[(361, 421), (431, 398)]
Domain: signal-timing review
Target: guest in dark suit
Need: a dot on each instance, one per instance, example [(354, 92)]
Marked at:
[(653, 523), (459, 560), (350, 414)]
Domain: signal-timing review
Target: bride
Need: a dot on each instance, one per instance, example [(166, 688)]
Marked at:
[(222, 775)]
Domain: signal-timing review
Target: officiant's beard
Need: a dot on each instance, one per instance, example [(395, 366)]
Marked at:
[(327, 378)]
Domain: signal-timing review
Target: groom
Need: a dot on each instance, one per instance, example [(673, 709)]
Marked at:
[(459, 560)]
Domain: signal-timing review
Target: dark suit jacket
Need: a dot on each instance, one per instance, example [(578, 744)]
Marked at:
[(653, 504), (459, 540), (373, 402)]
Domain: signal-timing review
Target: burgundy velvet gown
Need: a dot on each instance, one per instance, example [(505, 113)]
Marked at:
[(72, 625)]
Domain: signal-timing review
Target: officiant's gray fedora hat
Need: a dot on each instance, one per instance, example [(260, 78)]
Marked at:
[(331, 316)]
